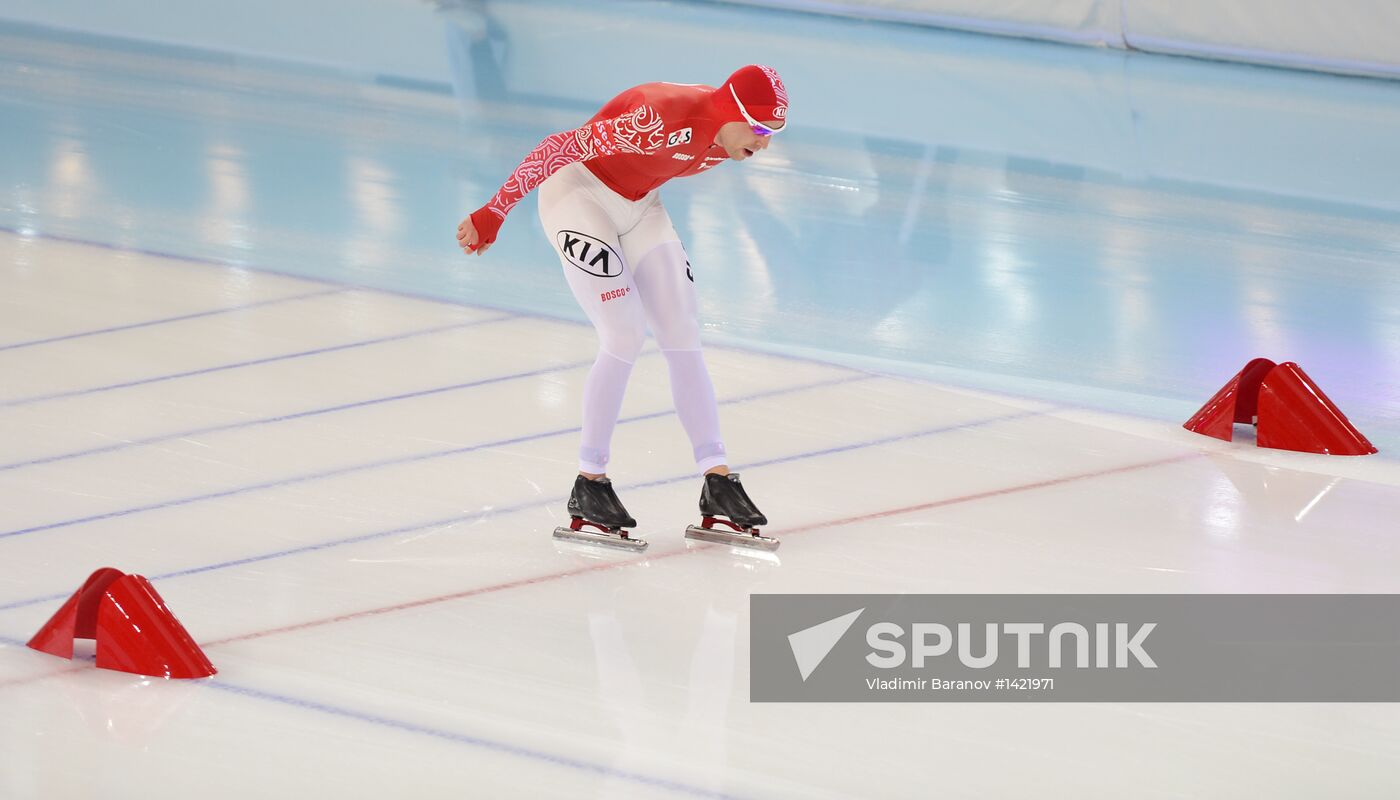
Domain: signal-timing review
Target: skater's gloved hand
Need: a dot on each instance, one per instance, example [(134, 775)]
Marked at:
[(477, 232)]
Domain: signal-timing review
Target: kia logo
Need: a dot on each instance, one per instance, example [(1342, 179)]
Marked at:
[(591, 255)]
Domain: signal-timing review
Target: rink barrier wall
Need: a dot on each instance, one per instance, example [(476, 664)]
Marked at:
[(1355, 37), (1121, 115), (386, 37), (1087, 22), (1359, 37)]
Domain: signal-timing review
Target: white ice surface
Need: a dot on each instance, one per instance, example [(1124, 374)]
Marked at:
[(375, 579)]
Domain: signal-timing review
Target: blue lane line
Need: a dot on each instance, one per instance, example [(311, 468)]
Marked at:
[(455, 519), (297, 415), (204, 261), (498, 747), (501, 748), (240, 364), (430, 298), (863, 445), (435, 454), (168, 320)]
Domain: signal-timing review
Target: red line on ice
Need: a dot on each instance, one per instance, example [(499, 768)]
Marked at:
[(523, 582), (555, 576)]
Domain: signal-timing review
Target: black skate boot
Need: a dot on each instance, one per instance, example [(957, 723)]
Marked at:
[(593, 503), (724, 496)]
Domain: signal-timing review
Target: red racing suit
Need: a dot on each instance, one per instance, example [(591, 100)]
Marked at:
[(640, 139)]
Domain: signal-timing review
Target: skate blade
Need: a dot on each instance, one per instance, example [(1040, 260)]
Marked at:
[(749, 558), (734, 538), (612, 540)]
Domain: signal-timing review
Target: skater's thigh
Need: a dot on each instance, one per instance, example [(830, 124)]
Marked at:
[(663, 278), (585, 238)]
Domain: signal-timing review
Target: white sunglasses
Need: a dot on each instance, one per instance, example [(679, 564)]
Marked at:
[(758, 127)]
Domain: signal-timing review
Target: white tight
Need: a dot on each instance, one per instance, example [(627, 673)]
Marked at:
[(628, 271)]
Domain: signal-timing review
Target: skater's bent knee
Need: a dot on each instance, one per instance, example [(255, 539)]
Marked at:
[(623, 343), (678, 334)]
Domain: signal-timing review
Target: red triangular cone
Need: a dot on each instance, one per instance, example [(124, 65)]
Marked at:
[(77, 618), (1290, 411), (1237, 401), (1294, 414), (134, 630)]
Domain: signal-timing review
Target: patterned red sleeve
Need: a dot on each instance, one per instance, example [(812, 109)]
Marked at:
[(638, 131)]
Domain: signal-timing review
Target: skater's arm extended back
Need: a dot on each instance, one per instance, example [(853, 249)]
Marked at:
[(638, 131)]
